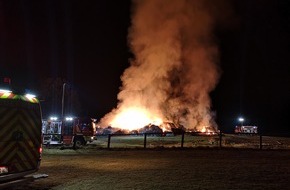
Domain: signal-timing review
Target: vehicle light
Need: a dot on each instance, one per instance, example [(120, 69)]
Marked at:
[(40, 150), (30, 96), (53, 118), (5, 91), (68, 118), (3, 170)]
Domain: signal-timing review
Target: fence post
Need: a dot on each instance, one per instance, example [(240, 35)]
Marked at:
[(145, 140), (109, 141), (182, 139), (261, 143), (220, 139)]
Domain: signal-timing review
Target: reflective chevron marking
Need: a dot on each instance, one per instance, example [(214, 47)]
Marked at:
[(10, 95), (29, 132), (20, 133), (29, 99), (8, 151)]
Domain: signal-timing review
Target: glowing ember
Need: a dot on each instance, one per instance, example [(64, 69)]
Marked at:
[(203, 130), (206, 130), (134, 118)]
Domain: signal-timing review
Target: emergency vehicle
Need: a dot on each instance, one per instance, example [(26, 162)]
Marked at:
[(68, 131), (246, 129), (20, 138)]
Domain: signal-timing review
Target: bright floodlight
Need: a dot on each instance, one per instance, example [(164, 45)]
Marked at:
[(30, 95), (53, 118), (68, 118), (5, 91), (241, 119)]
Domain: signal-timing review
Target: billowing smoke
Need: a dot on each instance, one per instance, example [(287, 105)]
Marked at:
[(175, 64)]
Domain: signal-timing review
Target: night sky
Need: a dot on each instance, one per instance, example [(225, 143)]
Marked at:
[(85, 44)]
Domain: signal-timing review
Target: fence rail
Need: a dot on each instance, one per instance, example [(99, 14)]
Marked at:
[(191, 140)]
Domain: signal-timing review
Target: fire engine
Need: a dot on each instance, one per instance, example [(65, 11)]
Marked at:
[(68, 131), (246, 129), (20, 138)]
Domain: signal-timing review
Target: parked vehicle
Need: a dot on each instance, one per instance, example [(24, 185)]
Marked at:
[(246, 129), (68, 131), (20, 138)]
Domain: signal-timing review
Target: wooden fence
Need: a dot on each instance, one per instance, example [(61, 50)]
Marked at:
[(191, 140)]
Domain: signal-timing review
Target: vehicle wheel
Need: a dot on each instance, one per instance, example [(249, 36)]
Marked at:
[(78, 143)]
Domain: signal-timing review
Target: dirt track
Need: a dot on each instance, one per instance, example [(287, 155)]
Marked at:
[(163, 169)]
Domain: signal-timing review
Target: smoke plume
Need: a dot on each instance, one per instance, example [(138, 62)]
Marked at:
[(175, 64)]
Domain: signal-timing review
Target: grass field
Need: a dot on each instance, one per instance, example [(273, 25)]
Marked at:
[(227, 141), (91, 168)]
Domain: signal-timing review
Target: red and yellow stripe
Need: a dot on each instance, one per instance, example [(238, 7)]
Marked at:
[(10, 95), (7, 95), (20, 138)]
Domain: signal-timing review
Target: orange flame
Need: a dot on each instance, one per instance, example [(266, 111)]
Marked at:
[(134, 118)]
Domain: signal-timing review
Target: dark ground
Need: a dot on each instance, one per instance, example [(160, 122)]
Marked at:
[(164, 169)]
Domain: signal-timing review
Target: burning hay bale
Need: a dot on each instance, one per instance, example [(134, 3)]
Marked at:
[(111, 130), (170, 127), (178, 130), (151, 129)]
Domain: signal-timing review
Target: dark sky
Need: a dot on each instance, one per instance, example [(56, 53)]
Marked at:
[(85, 43), (256, 67)]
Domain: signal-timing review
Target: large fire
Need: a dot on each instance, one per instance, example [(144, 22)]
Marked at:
[(174, 68), (137, 118), (134, 118)]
